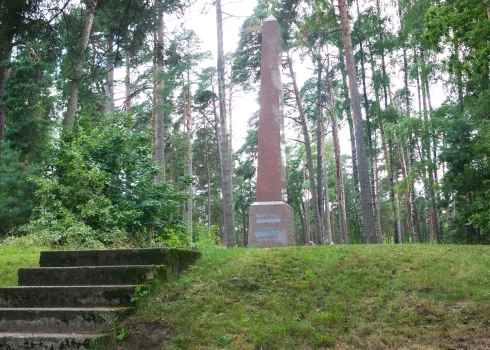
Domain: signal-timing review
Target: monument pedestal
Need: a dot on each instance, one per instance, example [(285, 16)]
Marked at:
[(271, 224)]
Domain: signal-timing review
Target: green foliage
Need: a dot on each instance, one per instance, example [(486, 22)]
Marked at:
[(99, 190), (122, 334), (205, 239), (29, 108), (467, 180), (16, 193)]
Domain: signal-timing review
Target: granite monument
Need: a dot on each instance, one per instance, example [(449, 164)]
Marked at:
[(271, 222)]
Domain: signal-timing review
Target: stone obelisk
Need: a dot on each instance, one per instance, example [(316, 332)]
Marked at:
[(271, 222)]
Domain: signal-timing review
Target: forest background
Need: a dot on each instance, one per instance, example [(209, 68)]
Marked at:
[(81, 166)]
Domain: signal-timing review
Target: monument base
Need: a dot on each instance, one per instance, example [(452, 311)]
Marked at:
[(271, 224)]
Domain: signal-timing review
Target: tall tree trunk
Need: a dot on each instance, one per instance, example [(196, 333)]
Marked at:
[(459, 74), (304, 221), (429, 220), (318, 234), (227, 163), (368, 212), (230, 113), (319, 153), (338, 163), (328, 228), (339, 175), (127, 85), (405, 165), (208, 173), (355, 172), (371, 150), (188, 123), (109, 86), (426, 144), (71, 108), (158, 121)]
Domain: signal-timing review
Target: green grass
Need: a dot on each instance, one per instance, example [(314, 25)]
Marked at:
[(13, 258), (341, 297)]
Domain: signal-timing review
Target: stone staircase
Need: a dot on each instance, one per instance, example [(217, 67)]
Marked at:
[(73, 300)]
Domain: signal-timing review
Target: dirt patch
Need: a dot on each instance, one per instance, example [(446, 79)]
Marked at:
[(469, 343), (147, 336)]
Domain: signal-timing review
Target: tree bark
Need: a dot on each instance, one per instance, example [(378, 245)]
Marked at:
[(406, 165), (371, 150), (319, 144), (127, 85), (339, 175), (227, 163), (71, 108), (368, 211), (318, 234), (428, 152), (327, 224), (109, 87), (188, 123), (355, 172), (208, 173), (158, 117)]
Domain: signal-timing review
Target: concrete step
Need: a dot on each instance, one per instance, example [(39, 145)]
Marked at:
[(90, 275), (60, 320), (47, 341), (175, 259), (67, 296)]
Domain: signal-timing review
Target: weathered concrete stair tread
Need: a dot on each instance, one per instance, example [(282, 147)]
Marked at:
[(75, 296), (48, 341), (53, 335), (174, 259), (66, 296), (93, 275), (59, 320)]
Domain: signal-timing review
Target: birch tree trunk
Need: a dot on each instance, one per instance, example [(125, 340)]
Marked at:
[(368, 210), (224, 142), (71, 108)]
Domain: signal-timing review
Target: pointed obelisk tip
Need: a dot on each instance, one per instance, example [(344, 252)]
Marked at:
[(270, 18)]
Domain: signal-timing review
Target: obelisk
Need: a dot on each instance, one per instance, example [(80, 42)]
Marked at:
[(271, 221)]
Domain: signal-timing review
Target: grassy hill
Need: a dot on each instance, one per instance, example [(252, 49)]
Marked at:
[(339, 297), (321, 297)]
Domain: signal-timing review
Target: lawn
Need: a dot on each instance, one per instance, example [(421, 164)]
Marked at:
[(13, 258), (339, 297)]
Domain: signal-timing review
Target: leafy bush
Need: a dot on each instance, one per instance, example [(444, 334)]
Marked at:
[(204, 238), (99, 190)]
